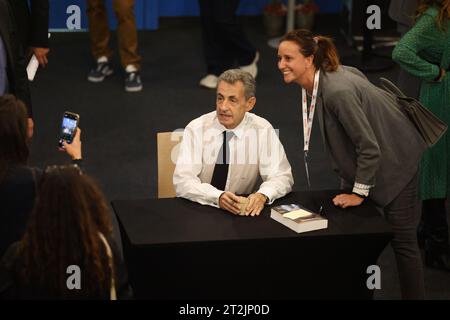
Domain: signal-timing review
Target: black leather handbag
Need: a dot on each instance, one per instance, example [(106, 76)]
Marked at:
[(430, 127)]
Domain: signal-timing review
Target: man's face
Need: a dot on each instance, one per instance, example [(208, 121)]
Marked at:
[(292, 64), (231, 104)]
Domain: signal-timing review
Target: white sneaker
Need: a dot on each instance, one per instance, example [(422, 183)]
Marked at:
[(210, 81), (252, 68)]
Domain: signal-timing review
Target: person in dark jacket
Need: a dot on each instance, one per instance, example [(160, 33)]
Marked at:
[(13, 64), (67, 251), (32, 21)]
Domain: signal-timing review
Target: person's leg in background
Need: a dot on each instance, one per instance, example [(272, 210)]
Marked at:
[(99, 37), (216, 57), (128, 43), (409, 84), (435, 234), (237, 44), (403, 216)]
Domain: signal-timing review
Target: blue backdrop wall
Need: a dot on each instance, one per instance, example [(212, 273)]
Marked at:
[(149, 11)]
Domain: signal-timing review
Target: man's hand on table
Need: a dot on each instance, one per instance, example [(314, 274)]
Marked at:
[(230, 202), (256, 202), (347, 200)]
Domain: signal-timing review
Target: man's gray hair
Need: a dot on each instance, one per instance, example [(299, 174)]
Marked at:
[(234, 75)]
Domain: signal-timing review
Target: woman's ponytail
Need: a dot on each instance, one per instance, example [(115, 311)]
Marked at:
[(325, 53), (326, 56)]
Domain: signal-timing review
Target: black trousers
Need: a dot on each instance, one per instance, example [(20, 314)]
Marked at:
[(224, 41), (403, 216)]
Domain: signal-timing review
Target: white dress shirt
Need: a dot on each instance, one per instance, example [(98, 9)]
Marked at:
[(256, 154)]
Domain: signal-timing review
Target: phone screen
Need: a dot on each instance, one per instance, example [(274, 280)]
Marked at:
[(68, 128)]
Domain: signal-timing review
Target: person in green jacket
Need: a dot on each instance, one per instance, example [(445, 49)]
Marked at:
[(425, 52)]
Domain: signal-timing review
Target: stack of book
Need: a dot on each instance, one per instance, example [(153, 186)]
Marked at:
[(298, 218)]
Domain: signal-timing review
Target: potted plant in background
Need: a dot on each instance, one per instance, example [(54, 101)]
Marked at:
[(274, 15), (305, 13)]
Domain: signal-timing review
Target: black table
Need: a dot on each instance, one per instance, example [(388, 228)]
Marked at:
[(177, 249)]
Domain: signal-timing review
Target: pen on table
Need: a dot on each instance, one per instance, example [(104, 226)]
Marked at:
[(321, 210)]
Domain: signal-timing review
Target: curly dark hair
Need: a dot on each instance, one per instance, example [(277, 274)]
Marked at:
[(64, 227)]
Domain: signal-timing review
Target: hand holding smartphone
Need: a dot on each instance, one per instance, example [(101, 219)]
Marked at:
[(68, 127), (69, 139)]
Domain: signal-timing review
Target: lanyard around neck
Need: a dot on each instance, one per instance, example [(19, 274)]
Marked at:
[(308, 120)]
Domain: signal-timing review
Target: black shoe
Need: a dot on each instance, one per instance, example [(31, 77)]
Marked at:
[(100, 72), (133, 82), (437, 259)]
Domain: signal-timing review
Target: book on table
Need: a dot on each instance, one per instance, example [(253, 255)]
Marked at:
[(298, 218)]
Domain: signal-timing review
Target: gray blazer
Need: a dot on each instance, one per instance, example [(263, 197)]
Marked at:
[(370, 140)]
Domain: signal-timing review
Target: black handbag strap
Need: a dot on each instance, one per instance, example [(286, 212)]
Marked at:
[(392, 88)]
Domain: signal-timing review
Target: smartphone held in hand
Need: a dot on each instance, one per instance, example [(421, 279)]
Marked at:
[(69, 127)]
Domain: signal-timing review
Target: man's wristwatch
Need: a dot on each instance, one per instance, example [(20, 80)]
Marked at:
[(266, 197)]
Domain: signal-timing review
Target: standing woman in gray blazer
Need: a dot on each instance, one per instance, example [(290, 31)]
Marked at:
[(373, 145)]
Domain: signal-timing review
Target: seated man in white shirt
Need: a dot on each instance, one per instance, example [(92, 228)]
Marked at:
[(226, 153)]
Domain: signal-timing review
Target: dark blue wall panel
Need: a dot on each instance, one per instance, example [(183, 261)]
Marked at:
[(149, 11)]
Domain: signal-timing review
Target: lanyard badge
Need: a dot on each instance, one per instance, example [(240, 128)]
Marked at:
[(308, 119)]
